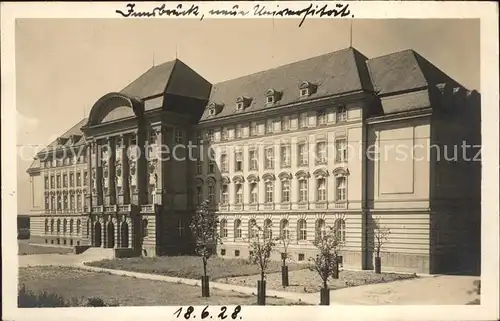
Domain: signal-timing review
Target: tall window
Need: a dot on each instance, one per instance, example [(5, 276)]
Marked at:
[(65, 226), (46, 226), (341, 114), (237, 229), (225, 194), (65, 197), (284, 229), (210, 135), (302, 230), (269, 126), (321, 117), (78, 226), (321, 152), (339, 229), (71, 222), (78, 179), (72, 202), (211, 191), (65, 180), (58, 181), (253, 128), (59, 202), (269, 162), (268, 230), (269, 192), (303, 120), (321, 192), (285, 191), (303, 191), (238, 131), (52, 185), (340, 150), (211, 162), (223, 228), (239, 193), (285, 156), (254, 160), (341, 188), (144, 228), (46, 202), (52, 202), (251, 228), (58, 226), (303, 155), (238, 156), (224, 163), (71, 179), (199, 194), (285, 123), (320, 229), (46, 182), (253, 193), (225, 133), (85, 178), (52, 226), (79, 201)]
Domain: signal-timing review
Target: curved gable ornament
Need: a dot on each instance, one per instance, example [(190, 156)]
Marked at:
[(199, 181), (238, 179), (252, 178), (284, 175), (302, 174), (109, 102), (211, 181), (225, 180), (320, 173), (340, 171), (268, 177)]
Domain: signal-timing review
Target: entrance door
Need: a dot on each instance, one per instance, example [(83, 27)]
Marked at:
[(124, 234), (97, 235), (111, 235)]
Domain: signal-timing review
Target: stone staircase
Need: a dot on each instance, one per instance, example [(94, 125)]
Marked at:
[(97, 254)]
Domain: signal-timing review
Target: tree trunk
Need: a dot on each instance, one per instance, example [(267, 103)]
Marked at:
[(378, 265), (205, 287)]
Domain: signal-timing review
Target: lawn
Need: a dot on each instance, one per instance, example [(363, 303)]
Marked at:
[(77, 285), (307, 281), (25, 248), (190, 266)]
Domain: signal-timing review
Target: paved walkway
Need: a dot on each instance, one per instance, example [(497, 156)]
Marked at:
[(444, 289)]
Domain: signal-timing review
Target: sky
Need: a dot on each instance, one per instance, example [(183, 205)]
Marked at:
[(63, 66)]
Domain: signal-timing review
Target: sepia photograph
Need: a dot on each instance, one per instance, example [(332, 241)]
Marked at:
[(213, 165)]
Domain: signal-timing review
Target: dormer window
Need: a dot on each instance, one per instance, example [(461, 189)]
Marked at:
[(242, 103), (214, 109), (272, 96), (306, 89)]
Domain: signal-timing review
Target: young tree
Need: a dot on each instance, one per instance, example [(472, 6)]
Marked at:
[(380, 237), (326, 262), (284, 241), (204, 229), (261, 248)]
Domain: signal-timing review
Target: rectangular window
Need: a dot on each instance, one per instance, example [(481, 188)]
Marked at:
[(321, 192), (321, 117), (72, 202), (239, 194), (303, 120), (79, 201), (253, 193), (285, 156), (341, 189), (238, 131), (269, 126), (269, 158), (303, 191), (285, 191), (46, 203), (341, 114), (78, 179), (178, 136), (254, 159), (225, 133), (320, 152), (199, 195), (211, 166), (253, 128), (71, 179), (340, 150), (52, 185), (210, 135), (285, 123), (46, 182), (224, 166), (65, 180), (303, 154), (225, 194), (211, 193), (85, 178), (58, 181), (238, 161), (269, 192)]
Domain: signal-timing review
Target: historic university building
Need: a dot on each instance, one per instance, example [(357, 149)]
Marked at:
[(337, 140)]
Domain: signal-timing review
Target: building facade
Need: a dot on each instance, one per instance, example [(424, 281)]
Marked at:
[(337, 140)]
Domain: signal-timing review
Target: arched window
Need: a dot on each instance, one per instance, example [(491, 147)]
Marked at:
[(71, 226), (239, 193), (302, 230), (339, 228), (253, 193), (340, 188), (144, 228), (237, 228), (58, 225), (320, 229), (65, 226), (251, 228), (284, 229), (223, 228), (46, 225), (321, 192), (78, 226), (211, 191), (52, 226), (285, 191), (268, 229), (303, 196), (269, 192)]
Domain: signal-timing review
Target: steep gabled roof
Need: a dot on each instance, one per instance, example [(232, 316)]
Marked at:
[(333, 73), (172, 77), (75, 130)]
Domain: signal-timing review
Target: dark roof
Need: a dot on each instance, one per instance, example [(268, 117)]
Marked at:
[(172, 77), (75, 130), (333, 73), (404, 71)]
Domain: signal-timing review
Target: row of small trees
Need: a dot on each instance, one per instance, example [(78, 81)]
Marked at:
[(326, 262)]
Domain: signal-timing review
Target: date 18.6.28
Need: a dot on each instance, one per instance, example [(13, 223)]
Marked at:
[(190, 313)]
